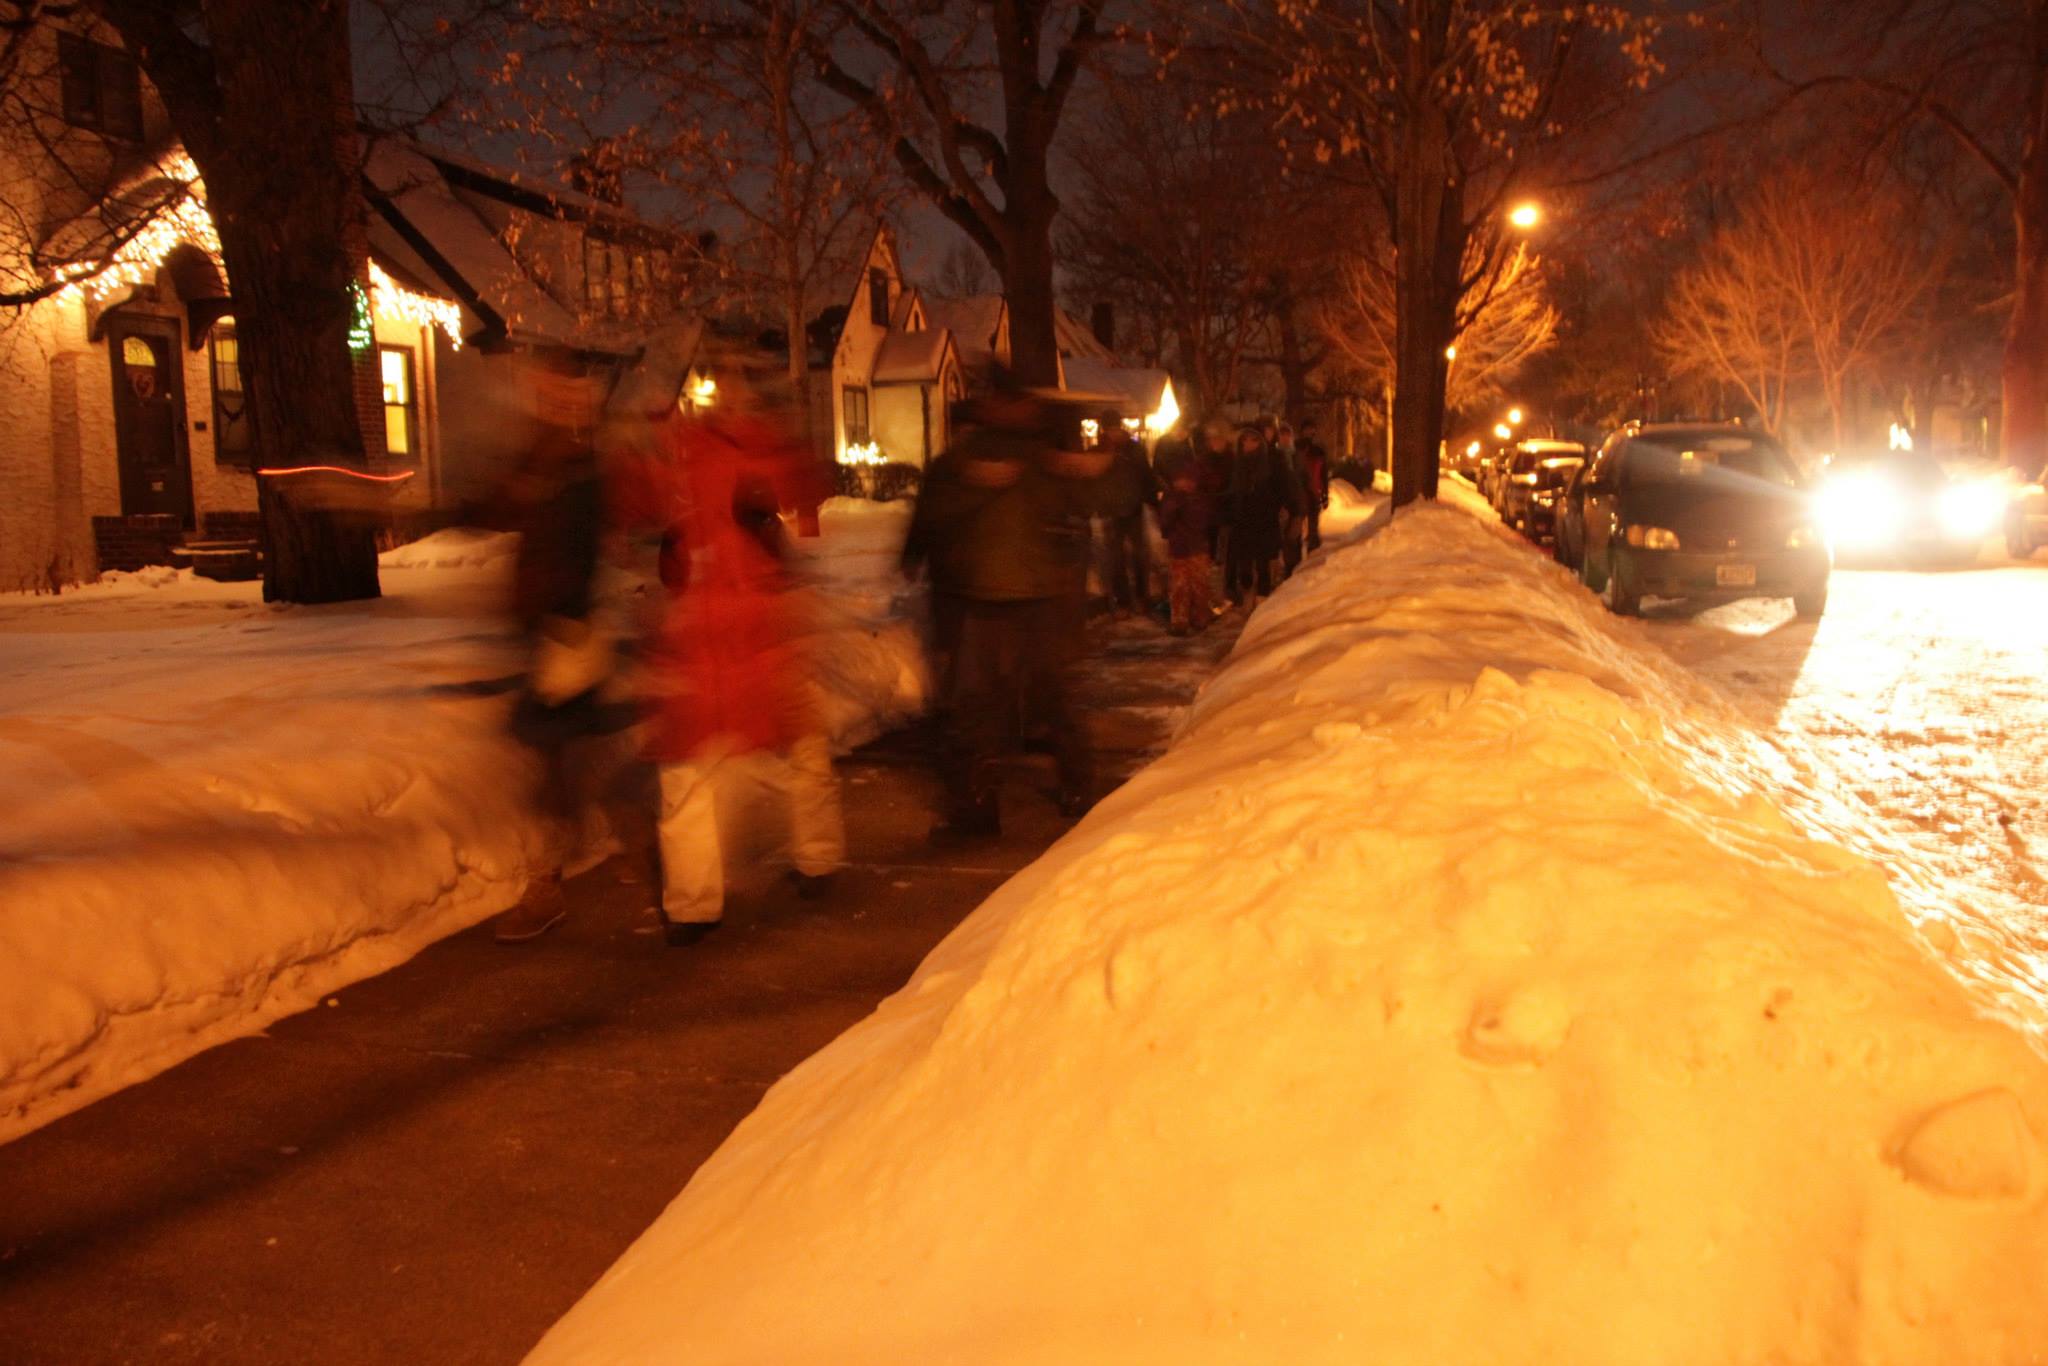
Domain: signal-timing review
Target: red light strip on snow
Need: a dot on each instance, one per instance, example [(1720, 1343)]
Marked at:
[(338, 469)]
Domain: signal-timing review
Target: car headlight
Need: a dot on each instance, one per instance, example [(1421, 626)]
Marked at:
[(1652, 537), (1803, 537), (1970, 511), (1862, 510), (1526, 480)]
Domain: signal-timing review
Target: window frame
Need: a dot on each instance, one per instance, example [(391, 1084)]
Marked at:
[(864, 433), (412, 454), (87, 68), (225, 420), (878, 296)]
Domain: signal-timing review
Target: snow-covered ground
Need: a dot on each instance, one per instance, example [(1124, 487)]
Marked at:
[(214, 812), (1456, 988), (1923, 696)]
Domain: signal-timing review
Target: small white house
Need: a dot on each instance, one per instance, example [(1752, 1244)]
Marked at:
[(903, 357), (895, 372)]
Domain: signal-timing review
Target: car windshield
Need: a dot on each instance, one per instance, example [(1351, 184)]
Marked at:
[(1557, 471), (1532, 460), (1666, 458)]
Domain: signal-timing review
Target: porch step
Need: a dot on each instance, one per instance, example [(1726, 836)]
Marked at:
[(224, 560)]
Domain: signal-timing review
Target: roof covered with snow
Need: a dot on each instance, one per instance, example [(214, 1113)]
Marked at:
[(975, 322), (911, 357), (1135, 392)]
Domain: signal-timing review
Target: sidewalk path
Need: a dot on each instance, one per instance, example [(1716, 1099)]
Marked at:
[(436, 1166)]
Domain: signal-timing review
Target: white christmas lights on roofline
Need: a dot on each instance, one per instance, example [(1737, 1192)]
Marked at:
[(187, 222)]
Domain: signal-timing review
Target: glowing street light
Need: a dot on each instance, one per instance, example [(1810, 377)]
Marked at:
[(1525, 215), (1501, 430), (1514, 417), (1451, 351)]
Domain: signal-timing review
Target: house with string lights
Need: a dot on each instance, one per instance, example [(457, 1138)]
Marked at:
[(128, 438), (904, 356)]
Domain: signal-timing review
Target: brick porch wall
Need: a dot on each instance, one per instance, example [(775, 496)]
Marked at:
[(136, 541)]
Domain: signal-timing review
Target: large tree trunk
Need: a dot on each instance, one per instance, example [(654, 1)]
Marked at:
[(2024, 379), (283, 180), (1027, 283), (1428, 243)]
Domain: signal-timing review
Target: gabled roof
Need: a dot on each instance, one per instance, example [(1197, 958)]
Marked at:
[(1133, 392), (911, 357), (1076, 341), (425, 230), (975, 321)]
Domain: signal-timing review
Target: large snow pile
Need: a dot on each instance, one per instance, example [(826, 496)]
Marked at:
[(213, 813), (1449, 992)]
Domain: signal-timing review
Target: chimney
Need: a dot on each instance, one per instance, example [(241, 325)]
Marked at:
[(1102, 322)]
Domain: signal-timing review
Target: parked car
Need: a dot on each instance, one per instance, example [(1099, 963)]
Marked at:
[(1708, 513), (1535, 477), (1906, 505), (2026, 520)]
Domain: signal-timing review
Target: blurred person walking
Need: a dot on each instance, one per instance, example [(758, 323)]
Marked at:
[(1186, 517), (1005, 521), (1128, 487), (726, 679), (1314, 461), (1254, 503), (556, 501)]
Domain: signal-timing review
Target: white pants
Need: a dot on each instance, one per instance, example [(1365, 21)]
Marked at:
[(692, 858)]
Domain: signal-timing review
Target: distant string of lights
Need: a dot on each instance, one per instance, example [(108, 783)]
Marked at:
[(186, 222)]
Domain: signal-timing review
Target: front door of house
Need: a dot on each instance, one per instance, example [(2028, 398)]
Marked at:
[(149, 417)]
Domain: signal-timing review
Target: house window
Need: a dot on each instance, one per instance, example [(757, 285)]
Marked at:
[(596, 274), (401, 402), (234, 436), (856, 405), (102, 89), (878, 297), (643, 286)]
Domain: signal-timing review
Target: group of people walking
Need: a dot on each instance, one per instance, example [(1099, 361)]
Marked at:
[(1001, 531), (1254, 504)]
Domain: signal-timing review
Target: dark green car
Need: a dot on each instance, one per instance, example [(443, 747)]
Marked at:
[(1707, 513)]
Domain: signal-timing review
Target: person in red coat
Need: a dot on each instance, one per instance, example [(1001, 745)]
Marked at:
[(725, 677)]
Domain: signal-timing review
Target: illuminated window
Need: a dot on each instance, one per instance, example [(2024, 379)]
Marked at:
[(856, 407), (596, 274), (878, 297), (401, 406), (234, 438), (102, 90)]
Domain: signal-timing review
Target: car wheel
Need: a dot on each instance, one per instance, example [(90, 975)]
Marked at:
[(1812, 602), (1622, 600)]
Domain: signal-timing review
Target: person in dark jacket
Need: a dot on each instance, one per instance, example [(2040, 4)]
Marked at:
[(1128, 488), (1186, 515), (1294, 515), (1004, 517), (1315, 478), (558, 503), (1255, 500)]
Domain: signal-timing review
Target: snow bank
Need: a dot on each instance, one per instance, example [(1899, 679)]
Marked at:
[(213, 813), (1450, 991)]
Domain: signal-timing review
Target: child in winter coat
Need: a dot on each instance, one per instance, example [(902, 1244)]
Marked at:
[(1186, 515)]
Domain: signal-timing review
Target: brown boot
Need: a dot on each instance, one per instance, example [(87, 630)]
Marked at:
[(538, 912)]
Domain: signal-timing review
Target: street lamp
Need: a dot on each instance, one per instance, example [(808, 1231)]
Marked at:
[(1526, 215), (1501, 430), (1514, 417)]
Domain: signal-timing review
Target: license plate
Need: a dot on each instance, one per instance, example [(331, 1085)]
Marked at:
[(1735, 575)]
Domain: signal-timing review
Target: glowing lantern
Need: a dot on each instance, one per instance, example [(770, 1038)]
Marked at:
[(862, 453)]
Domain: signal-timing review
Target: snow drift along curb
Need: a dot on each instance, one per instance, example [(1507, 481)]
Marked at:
[(248, 810), (1448, 992)]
